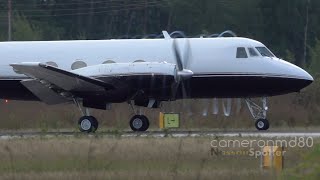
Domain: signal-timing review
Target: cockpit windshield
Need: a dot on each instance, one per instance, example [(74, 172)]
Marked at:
[(265, 52)]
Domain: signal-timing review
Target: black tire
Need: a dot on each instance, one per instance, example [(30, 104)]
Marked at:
[(88, 124), (145, 124), (268, 125), (95, 124), (262, 124), (139, 123)]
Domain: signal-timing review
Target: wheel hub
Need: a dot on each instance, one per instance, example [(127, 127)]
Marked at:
[(85, 124), (260, 124), (137, 123)]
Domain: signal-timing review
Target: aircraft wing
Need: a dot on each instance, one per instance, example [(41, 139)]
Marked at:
[(49, 82), (118, 82), (65, 80), (45, 94)]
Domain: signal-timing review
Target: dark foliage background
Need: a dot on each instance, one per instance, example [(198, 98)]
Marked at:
[(289, 27)]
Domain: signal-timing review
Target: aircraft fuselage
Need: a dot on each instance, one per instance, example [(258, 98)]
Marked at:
[(219, 70)]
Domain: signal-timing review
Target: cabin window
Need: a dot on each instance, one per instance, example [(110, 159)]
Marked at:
[(265, 52), (138, 61), (51, 63), (108, 62), (253, 52), (78, 64), (241, 52)]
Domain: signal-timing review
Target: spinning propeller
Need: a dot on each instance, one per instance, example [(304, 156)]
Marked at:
[(183, 63), (183, 60), (226, 104)]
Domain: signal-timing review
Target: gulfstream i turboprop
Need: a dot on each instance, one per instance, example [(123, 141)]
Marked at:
[(145, 72)]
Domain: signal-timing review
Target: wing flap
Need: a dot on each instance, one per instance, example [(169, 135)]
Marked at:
[(44, 93), (65, 80)]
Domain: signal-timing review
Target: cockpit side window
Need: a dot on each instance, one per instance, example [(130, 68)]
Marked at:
[(265, 52), (253, 52), (241, 52)]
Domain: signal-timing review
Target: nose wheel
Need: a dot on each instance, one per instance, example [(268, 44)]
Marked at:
[(262, 124), (259, 113), (139, 123)]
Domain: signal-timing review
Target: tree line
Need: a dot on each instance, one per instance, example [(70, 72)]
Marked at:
[(289, 27)]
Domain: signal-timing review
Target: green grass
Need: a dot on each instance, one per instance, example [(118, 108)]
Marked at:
[(308, 168), (87, 157)]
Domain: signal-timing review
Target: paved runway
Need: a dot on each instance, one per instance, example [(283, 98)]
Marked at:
[(162, 134)]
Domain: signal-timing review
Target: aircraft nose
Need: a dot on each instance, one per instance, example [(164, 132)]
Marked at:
[(305, 75), (298, 77), (308, 77), (305, 78)]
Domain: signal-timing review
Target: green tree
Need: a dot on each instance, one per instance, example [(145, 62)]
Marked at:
[(281, 25), (315, 59), (24, 31)]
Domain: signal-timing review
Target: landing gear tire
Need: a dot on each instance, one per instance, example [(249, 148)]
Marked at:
[(262, 124), (88, 124), (139, 123)]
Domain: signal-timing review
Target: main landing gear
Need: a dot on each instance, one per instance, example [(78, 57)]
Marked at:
[(139, 123), (87, 123), (259, 113)]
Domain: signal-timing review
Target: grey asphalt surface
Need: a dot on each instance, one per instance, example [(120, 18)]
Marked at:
[(162, 134)]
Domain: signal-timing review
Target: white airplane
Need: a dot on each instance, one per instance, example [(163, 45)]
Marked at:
[(145, 72)]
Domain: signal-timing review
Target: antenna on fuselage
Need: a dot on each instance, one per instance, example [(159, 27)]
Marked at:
[(166, 35)]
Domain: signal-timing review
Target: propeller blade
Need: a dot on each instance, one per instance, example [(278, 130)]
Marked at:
[(227, 108), (178, 60), (206, 104), (215, 106), (190, 113), (174, 90), (239, 106), (177, 55), (187, 54), (182, 73), (184, 94)]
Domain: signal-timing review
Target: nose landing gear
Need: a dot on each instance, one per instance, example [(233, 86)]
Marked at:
[(259, 113), (262, 124)]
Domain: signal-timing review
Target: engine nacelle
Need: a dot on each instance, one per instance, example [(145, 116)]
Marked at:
[(130, 69)]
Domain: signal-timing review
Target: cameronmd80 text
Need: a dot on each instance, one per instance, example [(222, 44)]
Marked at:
[(301, 142)]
